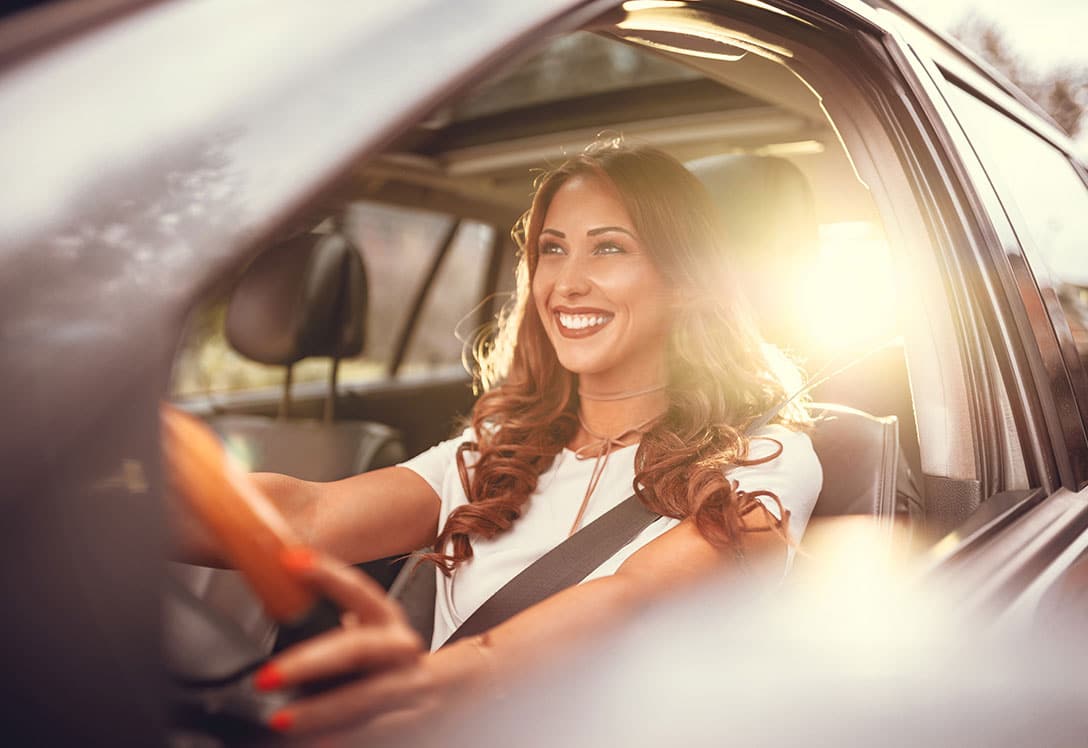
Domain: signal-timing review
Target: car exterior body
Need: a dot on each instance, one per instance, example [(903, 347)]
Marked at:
[(153, 149)]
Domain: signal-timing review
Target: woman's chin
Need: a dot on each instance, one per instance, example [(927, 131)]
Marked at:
[(582, 365)]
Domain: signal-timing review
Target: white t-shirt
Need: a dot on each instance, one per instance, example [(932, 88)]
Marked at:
[(794, 476)]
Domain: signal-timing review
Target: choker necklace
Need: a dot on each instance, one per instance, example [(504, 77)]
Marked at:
[(618, 395)]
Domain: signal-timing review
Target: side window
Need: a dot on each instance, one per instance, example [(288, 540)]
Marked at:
[(399, 246), (1049, 201), (449, 318)]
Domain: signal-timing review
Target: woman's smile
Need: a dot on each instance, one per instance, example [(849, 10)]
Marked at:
[(580, 322)]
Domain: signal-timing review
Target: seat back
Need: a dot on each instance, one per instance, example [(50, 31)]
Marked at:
[(769, 216), (305, 297), (309, 449), (769, 221), (859, 455)]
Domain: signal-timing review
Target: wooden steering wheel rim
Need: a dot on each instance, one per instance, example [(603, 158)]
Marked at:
[(250, 530)]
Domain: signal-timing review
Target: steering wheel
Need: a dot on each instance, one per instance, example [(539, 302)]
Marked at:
[(252, 534), (250, 530)]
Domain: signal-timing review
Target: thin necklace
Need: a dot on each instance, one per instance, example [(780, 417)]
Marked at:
[(603, 445), (618, 395)]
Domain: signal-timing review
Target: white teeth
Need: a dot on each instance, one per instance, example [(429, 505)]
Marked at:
[(581, 321)]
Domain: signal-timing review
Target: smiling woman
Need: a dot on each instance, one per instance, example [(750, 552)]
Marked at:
[(627, 324), (627, 328)]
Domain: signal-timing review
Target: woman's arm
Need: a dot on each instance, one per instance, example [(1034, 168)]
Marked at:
[(680, 556), (677, 558), (361, 518)]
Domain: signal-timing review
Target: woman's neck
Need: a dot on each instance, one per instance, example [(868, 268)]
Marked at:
[(611, 414)]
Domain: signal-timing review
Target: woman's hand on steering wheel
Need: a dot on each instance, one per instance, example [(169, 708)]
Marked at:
[(374, 668), (375, 643)]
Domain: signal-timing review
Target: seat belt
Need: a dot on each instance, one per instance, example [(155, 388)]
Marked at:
[(563, 566), (572, 560)]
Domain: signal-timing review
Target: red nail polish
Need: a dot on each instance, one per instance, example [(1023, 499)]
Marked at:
[(268, 678), (298, 559), (281, 721)]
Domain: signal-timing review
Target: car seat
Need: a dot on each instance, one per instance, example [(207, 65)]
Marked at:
[(769, 215), (304, 297)]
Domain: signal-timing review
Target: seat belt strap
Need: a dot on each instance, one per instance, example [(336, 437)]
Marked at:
[(563, 566), (819, 378)]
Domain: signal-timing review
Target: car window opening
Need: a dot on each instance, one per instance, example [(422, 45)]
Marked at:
[(809, 239)]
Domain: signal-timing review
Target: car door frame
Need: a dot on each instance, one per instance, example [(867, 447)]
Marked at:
[(1011, 542), (91, 321), (1020, 541)]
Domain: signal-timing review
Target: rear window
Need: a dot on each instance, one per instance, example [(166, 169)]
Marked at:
[(399, 246)]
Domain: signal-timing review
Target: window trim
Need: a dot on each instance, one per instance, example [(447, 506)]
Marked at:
[(423, 293), (1000, 314), (1061, 389)]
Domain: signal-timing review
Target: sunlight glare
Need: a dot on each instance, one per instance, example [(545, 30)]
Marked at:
[(850, 297)]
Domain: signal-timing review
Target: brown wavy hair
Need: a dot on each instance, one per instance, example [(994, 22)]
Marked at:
[(722, 376)]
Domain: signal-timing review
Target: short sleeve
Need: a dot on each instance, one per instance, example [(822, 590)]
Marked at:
[(432, 464), (795, 476)]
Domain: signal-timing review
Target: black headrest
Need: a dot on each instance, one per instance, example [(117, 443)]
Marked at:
[(769, 215), (766, 201), (304, 297)]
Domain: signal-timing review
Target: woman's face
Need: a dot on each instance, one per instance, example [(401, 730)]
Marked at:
[(605, 306)]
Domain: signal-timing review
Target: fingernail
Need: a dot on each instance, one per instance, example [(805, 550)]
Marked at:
[(268, 678), (298, 559), (281, 721)]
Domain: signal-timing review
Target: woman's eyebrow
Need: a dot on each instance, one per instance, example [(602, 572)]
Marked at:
[(560, 234), (606, 229)]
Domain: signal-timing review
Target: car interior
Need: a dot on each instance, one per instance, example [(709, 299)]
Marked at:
[(335, 351), (331, 221)]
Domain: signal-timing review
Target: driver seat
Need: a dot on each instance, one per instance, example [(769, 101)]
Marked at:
[(769, 215)]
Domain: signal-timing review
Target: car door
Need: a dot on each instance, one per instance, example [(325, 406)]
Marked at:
[(1026, 202), (147, 174)]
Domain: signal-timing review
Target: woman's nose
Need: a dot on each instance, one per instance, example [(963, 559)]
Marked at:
[(573, 279)]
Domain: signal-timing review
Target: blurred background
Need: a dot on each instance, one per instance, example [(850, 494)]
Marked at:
[(1031, 44)]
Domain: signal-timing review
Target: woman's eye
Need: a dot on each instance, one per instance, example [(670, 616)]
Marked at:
[(550, 249), (609, 248)]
